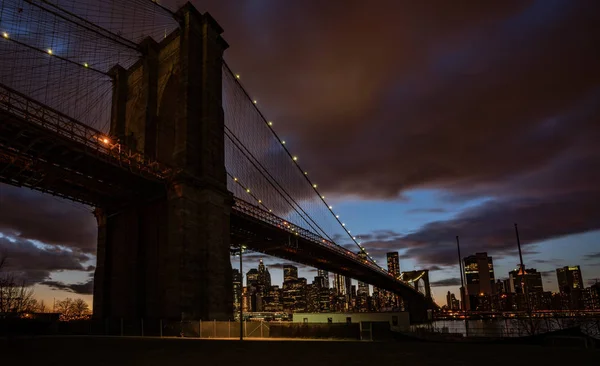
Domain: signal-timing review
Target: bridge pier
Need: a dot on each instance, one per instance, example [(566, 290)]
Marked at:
[(168, 256)]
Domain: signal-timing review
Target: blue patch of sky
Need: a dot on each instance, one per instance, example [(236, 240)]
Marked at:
[(419, 207)]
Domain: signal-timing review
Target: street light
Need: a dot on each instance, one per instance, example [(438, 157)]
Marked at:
[(238, 251)]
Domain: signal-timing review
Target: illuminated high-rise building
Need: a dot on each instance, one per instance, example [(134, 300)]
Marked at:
[(393, 263), (294, 295), (323, 273), (237, 289), (267, 278), (261, 272), (246, 300), (348, 283), (264, 278), (312, 298), (252, 277), (532, 281), (290, 272), (362, 296), (362, 291), (480, 281), (273, 300), (569, 278), (319, 282), (339, 284)]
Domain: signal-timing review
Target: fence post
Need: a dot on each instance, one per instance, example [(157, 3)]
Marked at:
[(215, 328), (245, 329), (142, 327), (121, 327), (229, 327), (360, 330), (160, 328)]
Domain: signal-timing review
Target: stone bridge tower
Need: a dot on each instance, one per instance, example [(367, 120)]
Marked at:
[(168, 257)]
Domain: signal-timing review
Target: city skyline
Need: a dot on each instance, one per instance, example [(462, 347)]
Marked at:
[(527, 154), (548, 278)]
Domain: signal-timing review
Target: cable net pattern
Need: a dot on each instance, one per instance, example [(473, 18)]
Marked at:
[(262, 172), (60, 52)]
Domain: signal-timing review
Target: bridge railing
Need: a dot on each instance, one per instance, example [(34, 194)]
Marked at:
[(268, 217), (49, 119)]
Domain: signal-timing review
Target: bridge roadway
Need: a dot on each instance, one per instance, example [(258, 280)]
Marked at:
[(45, 150)]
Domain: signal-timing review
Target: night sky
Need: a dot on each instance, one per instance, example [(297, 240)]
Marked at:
[(420, 120)]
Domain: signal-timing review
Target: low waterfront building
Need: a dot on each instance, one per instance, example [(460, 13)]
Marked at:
[(397, 320)]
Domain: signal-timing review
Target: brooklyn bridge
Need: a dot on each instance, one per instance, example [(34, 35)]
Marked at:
[(142, 119)]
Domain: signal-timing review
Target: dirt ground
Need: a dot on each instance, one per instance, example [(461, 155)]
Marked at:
[(114, 351)]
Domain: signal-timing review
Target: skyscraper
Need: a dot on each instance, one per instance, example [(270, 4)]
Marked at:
[(363, 288), (319, 282), (323, 273), (362, 296), (480, 280), (261, 273), (290, 272), (348, 283), (267, 279), (252, 277), (569, 278), (393, 263), (532, 280), (452, 302), (273, 300), (294, 295), (339, 284), (237, 289)]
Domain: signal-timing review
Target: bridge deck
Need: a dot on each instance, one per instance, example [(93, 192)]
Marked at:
[(266, 233), (45, 150)]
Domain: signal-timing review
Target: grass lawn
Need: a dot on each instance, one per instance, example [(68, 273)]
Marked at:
[(113, 351)]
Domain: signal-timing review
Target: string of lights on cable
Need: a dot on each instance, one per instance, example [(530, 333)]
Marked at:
[(295, 162)]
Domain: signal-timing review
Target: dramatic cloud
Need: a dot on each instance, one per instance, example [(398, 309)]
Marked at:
[(34, 263), (489, 227), (85, 288), (592, 256), (446, 282), (499, 101), (496, 100), (41, 217), (435, 268), (427, 210), (437, 95)]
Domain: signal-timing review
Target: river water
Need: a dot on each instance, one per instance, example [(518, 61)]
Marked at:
[(499, 327)]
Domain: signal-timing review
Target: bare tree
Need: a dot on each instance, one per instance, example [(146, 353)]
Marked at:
[(41, 307), (70, 309), (80, 307), (15, 296)]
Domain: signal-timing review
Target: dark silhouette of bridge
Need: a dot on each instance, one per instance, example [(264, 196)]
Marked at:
[(187, 168)]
